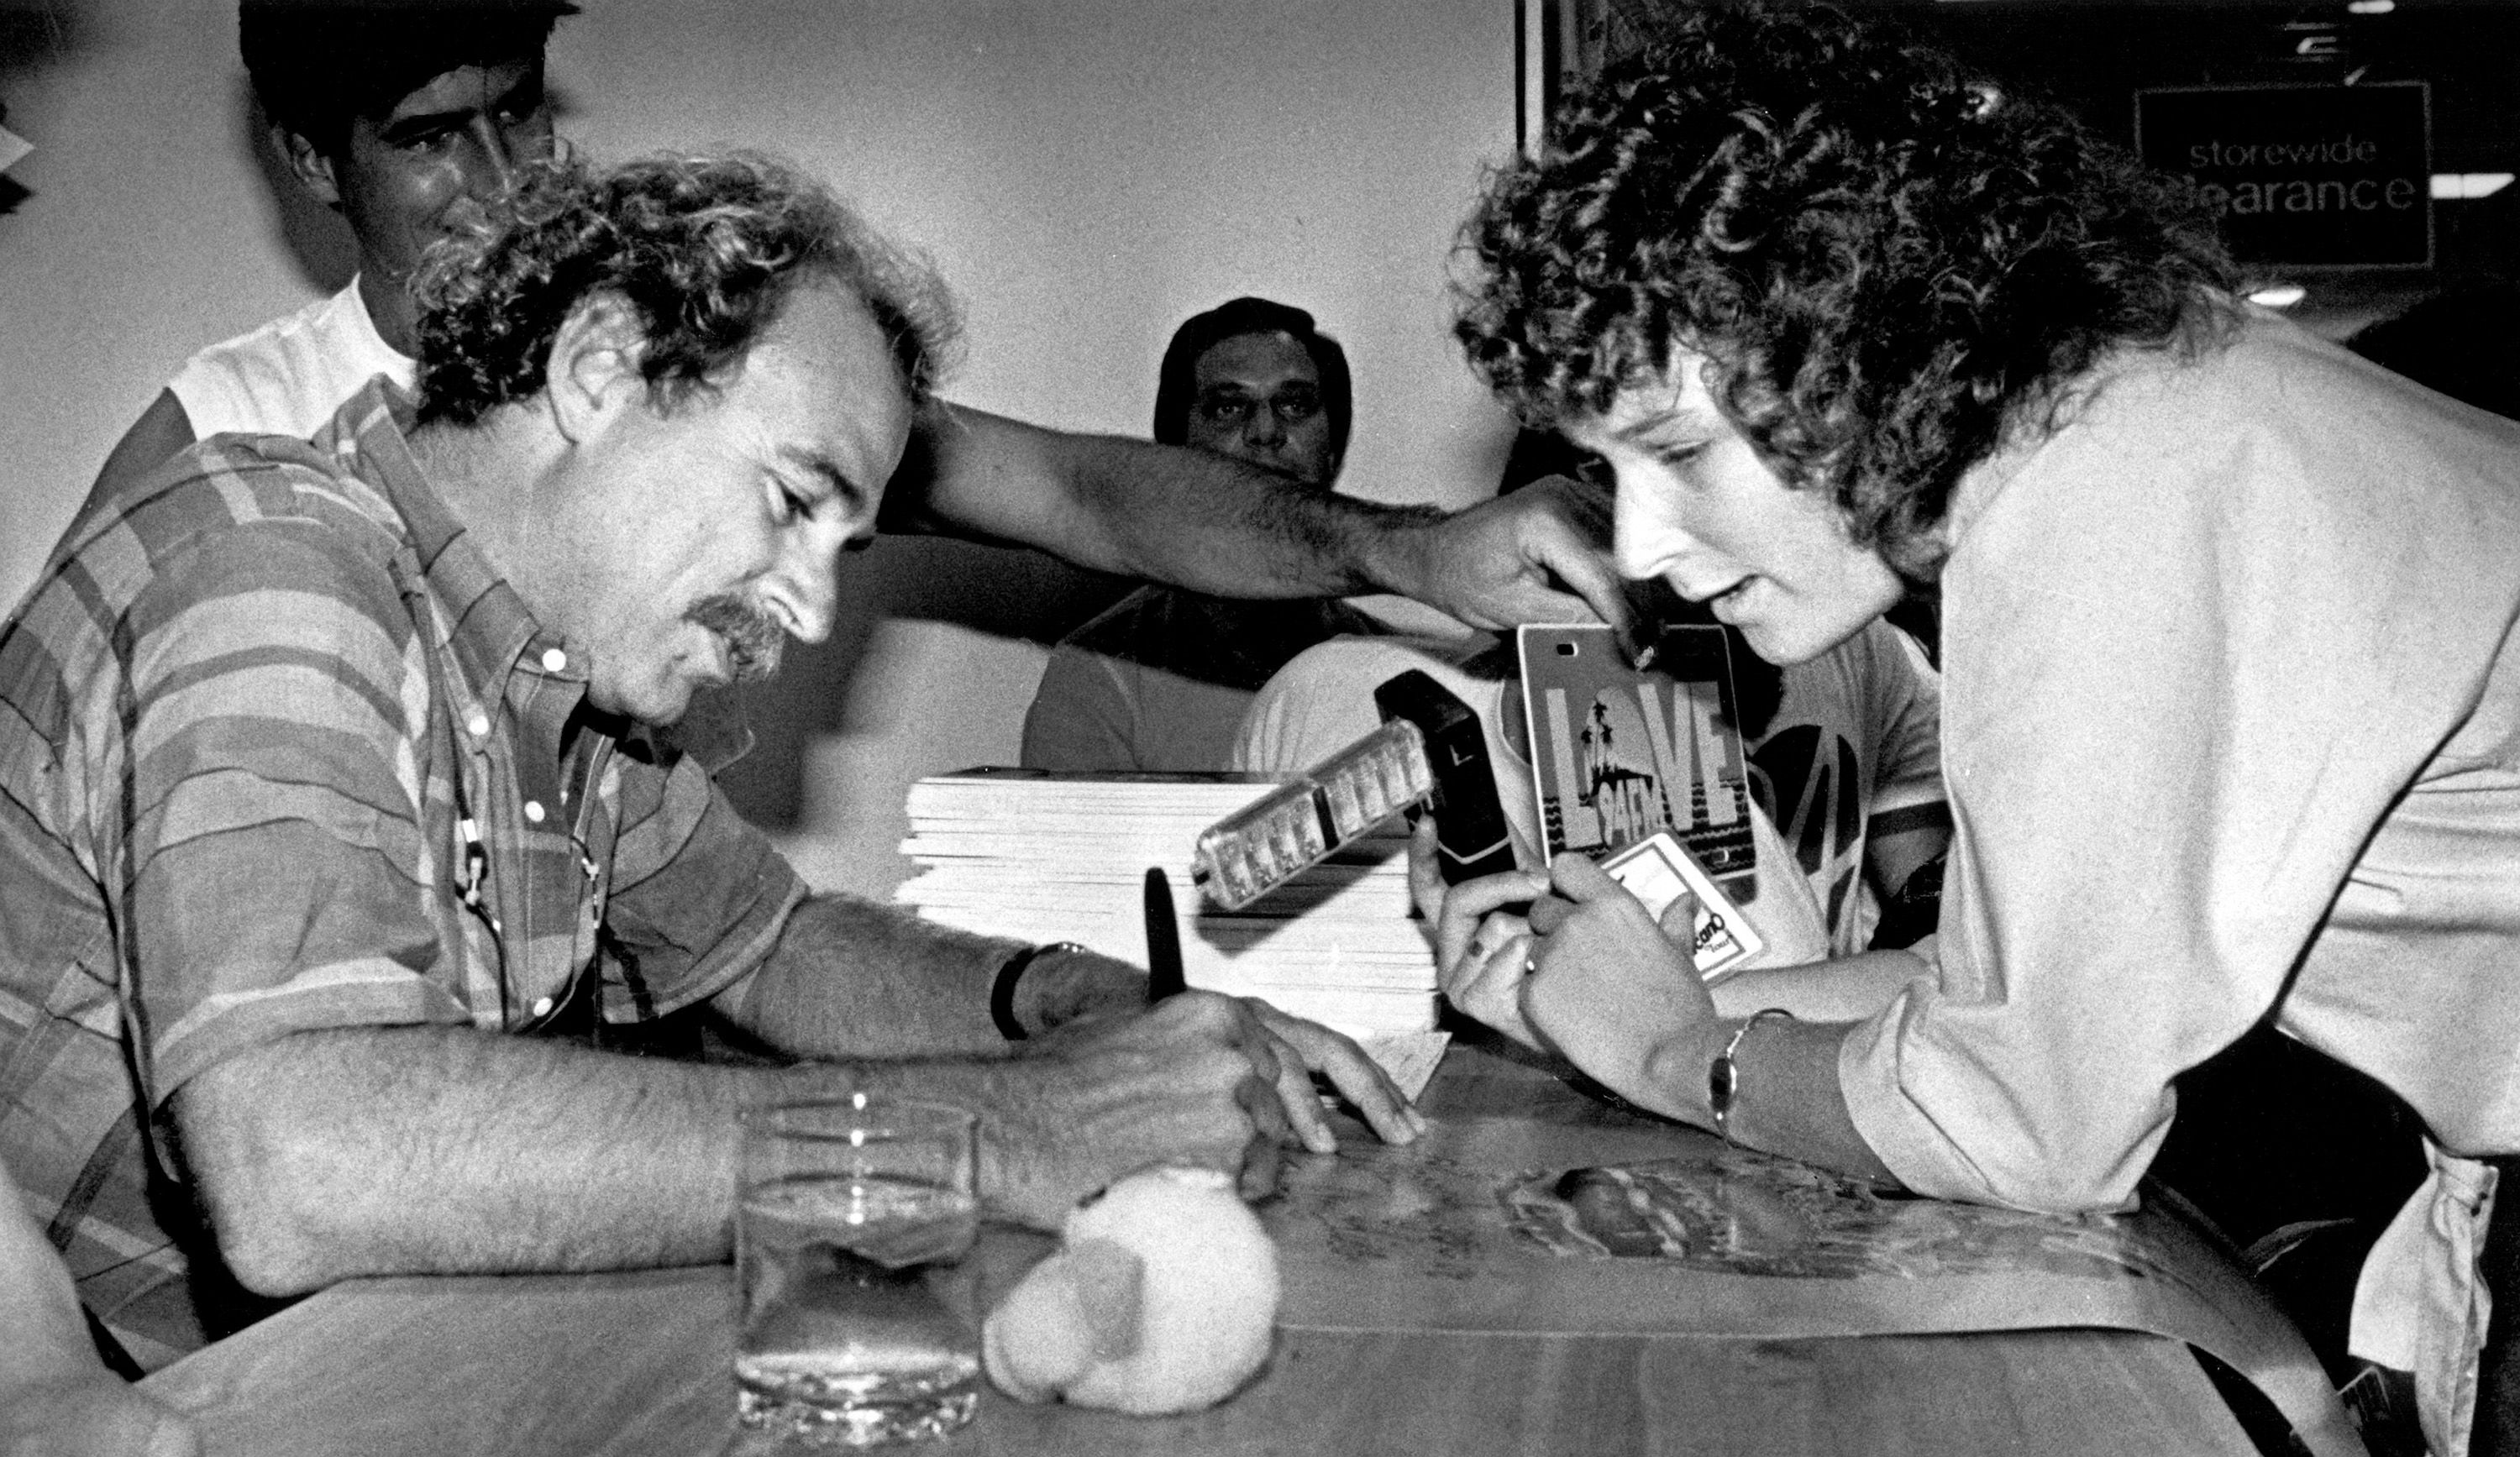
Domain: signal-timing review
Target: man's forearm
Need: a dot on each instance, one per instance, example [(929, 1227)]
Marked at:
[(434, 1150), (854, 979), (1185, 517)]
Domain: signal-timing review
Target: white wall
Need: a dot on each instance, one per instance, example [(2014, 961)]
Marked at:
[(1086, 173)]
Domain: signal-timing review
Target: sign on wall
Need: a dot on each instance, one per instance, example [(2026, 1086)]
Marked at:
[(2303, 176)]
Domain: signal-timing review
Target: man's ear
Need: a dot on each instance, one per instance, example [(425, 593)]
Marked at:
[(592, 370), (309, 165)]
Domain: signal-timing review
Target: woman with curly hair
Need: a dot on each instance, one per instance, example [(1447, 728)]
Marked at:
[(2231, 713)]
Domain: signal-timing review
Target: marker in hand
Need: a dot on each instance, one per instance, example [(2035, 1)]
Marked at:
[(1164, 972)]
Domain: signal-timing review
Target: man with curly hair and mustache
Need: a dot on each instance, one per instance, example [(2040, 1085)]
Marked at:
[(2231, 699), (333, 835)]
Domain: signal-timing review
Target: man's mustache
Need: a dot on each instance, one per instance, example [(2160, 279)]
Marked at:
[(753, 638)]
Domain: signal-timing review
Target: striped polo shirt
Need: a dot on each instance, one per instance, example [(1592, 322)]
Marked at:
[(280, 751)]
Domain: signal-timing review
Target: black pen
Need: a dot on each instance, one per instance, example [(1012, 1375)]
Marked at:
[(1164, 973)]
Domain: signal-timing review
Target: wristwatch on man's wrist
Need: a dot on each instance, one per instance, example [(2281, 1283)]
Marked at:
[(1001, 991)]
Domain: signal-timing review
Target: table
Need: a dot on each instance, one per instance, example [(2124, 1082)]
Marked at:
[(634, 1364)]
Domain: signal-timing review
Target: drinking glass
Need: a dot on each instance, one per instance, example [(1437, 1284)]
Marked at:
[(845, 1208)]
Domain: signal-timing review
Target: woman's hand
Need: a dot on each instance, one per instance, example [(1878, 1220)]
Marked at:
[(1618, 996), (1482, 951)]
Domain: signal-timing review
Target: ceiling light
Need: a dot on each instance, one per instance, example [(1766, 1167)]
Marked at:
[(2278, 295), (2370, 7)]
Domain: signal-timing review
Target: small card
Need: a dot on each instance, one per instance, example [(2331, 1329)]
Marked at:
[(1655, 870), (1409, 1057)]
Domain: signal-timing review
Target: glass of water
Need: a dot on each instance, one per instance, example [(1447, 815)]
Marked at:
[(846, 1206)]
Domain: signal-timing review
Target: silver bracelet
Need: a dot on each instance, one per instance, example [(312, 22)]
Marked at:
[(1723, 1074)]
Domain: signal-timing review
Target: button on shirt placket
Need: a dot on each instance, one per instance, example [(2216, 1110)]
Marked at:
[(518, 861), (546, 948), (519, 845), (474, 770), (590, 808)]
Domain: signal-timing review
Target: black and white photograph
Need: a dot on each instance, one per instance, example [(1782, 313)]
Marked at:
[(629, 630)]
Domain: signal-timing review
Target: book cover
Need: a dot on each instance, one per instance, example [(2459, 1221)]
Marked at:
[(1620, 753)]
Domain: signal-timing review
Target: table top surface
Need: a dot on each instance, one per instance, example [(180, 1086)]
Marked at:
[(637, 1365)]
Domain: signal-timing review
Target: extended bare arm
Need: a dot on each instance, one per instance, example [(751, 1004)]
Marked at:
[(1212, 524)]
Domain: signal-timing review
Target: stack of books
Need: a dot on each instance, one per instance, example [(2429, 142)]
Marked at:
[(1063, 856)]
